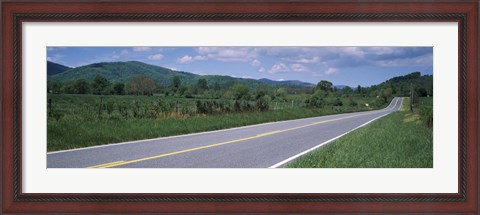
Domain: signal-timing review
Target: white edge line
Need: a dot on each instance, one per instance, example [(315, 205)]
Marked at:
[(328, 141), (192, 134)]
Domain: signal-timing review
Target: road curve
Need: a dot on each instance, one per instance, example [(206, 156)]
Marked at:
[(258, 146)]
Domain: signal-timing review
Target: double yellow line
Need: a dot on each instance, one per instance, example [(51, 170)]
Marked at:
[(120, 163)]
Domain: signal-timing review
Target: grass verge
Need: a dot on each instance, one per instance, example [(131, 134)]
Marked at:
[(80, 121), (399, 140), (69, 134)]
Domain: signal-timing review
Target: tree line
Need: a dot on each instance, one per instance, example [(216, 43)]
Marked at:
[(317, 97)]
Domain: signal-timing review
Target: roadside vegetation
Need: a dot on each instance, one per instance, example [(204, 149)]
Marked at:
[(400, 140), (88, 120), (117, 102)]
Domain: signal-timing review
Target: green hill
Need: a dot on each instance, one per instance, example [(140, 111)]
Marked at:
[(55, 68), (421, 84), (123, 72)]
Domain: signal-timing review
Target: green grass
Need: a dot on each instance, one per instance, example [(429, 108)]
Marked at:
[(399, 140), (67, 134), (76, 122)]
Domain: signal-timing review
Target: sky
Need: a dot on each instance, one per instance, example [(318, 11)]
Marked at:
[(349, 66)]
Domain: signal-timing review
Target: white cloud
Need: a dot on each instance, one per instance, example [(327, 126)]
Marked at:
[(55, 48), (55, 57), (279, 68), (354, 51), (185, 60), (155, 57), (229, 54), (299, 68), (262, 70), (255, 63), (189, 59), (311, 60), (123, 53), (383, 50), (141, 49), (199, 57), (331, 70), (425, 60)]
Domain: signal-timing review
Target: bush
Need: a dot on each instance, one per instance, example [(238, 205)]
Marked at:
[(353, 103), (314, 102), (262, 104), (426, 114), (337, 102), (379, 102)]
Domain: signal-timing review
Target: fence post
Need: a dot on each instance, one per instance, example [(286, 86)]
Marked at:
[(100, 107), (292, 103), (49, 107)]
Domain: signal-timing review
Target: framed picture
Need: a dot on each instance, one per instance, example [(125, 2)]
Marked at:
[(280, 107)]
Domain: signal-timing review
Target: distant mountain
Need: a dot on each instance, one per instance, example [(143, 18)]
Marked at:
[(287, 82), (122, 72), (55, 68)]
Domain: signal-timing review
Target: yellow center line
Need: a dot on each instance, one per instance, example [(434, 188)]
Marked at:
[(269, 133), (105, 164), (120, 163)]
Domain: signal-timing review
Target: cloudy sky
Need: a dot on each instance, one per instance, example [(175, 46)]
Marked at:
[(350, 66)]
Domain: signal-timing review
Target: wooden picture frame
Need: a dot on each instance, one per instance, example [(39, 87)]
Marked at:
[(14, 13)]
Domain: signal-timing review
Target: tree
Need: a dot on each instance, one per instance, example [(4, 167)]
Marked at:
[(262, 103), (119, 88), (182, 90), (240, 91), (261, 92), (430, 90), (386, 93), (99, 84), (352, 102), (347, 90), (359, 89), (202, 85), (57, 87), (315, 101), (281, 94), (216, 86), (67, 87), (337, 102), (142, 85), (320, 93), (176, 83), (81, 86), (324, 85), (422, 92)]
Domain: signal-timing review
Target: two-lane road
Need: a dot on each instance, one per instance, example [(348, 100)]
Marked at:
[(258, 146)]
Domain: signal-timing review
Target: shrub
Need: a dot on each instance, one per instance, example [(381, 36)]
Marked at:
[(426, 114), (262, 104)]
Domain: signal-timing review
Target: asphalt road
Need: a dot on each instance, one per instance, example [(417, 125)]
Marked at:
[(258, 146)]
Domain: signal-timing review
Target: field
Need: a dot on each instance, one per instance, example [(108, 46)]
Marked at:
[(399, 140), (86, 120)]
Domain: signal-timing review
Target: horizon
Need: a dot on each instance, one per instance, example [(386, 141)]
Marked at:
[(349, 66)]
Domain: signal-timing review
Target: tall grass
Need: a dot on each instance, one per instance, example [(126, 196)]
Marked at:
[(399, 140), (87, 120)]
